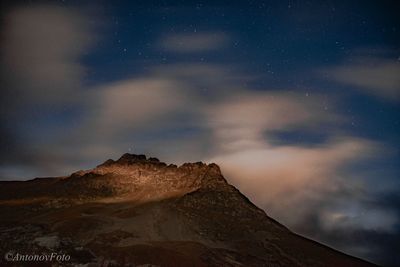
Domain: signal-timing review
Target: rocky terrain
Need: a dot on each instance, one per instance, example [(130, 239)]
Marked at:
[(138, 211)]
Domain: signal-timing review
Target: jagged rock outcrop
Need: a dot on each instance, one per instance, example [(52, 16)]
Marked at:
[(135, 174), (138, 210)]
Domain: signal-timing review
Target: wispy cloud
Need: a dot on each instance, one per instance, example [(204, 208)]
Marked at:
[(194, 42), (242, 128), (248, 116), (136, 103), (41, 70), (290, 178), (42, 49), (378, 75), (309, 188)]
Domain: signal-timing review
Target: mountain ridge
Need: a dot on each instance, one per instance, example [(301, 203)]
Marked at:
[(138, 210)]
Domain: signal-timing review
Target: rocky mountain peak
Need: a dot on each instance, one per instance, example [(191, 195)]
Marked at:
[(133, 173), (127, 159), (141, 161)]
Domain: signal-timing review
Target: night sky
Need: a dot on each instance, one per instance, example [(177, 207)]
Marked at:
[(297, 101)]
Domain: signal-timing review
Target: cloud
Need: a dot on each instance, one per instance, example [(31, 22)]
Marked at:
[(291, 174), (332, 221), (375, 219), (41, 75), (288, 173), (375, 75), (247, 116), (139, 103), (194, 42), (293, 183), (217, 79), (41, 51)]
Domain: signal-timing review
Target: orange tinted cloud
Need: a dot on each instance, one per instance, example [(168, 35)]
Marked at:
[(281, 178)]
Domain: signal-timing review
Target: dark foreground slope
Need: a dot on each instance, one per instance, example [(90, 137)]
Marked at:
[(137, 211)]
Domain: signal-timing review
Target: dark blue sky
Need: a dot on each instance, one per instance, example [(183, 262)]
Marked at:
[(297, 101)]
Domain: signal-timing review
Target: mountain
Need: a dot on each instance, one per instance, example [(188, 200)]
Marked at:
[(138, 211)]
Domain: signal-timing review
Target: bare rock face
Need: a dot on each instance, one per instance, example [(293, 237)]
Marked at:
[(135, 174), (138, 211)]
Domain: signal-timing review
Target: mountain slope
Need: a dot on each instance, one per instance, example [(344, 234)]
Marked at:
[(137, 211)]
